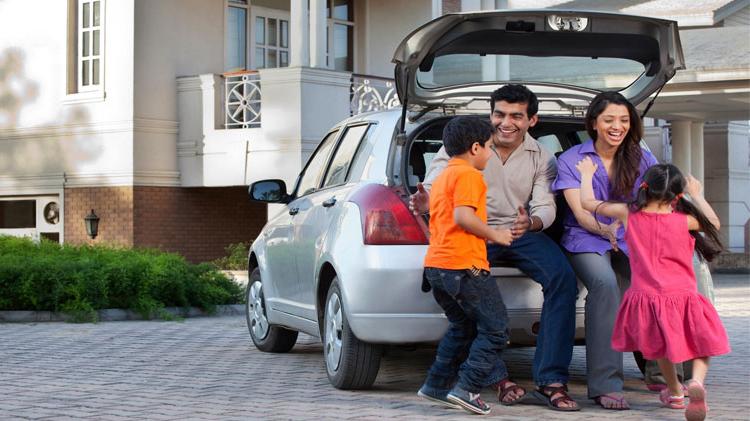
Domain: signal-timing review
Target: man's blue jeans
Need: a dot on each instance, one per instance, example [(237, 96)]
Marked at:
[(471, 348), (541, 259)]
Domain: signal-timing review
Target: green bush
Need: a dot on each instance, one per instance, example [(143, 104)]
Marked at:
[(79, 280), (236, 258)]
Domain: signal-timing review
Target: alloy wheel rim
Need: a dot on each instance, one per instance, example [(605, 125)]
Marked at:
[(333, 332), (256, 311)]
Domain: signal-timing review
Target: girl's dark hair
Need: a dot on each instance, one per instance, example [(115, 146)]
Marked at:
[(628, 156), (665, 183)]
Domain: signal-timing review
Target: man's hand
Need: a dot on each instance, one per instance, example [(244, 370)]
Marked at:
[(419, 202), (502, 236), (521, 224), (610, 233), (586, 166)]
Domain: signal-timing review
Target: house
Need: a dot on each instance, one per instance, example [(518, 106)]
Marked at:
[(157, 114)]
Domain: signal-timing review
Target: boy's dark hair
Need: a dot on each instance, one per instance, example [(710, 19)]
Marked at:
[(516, 94), (461, 132)]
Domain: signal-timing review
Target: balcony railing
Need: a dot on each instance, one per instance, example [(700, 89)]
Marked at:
[(371, 93), (242, 100)]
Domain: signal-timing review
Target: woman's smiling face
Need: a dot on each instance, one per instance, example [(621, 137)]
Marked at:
[(612, 125)]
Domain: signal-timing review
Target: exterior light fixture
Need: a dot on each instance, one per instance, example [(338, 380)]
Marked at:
[(92, 224), (567, 23)]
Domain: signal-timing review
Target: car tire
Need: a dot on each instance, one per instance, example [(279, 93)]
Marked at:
[(350, 363), (265, 336)]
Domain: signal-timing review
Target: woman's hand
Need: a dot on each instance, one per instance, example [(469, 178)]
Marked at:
[(693, 187), (610, 233), (586, 166)]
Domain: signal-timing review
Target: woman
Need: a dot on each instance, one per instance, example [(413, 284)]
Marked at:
[(595, 244)]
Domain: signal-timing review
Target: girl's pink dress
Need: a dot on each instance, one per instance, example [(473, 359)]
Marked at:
[(662, 314)]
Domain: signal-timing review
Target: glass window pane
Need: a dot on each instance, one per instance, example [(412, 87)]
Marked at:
[(95, 71), (342, 9), (260, 30), (272, 32), (96, 42), (17, 213), (284, 33), (342, 47), (344, 156), (86, 41), (310, 179), (86, 15), (85, 73), (236, 42), (271, 58), (96, 13), (260, 58), (283, 59)]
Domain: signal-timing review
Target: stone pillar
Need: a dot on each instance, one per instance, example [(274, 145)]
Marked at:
[(681, 145), (317, 33), (298, 34), (696, 150), (437, 8)]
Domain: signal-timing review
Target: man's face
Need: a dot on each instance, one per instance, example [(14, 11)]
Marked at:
[(511, 122)]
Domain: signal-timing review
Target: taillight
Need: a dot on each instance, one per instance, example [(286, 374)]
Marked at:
[(386, 219)]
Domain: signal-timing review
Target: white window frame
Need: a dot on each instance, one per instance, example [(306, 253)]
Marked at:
[(246, 6), (80, 30), (279, 15), (330, 25)]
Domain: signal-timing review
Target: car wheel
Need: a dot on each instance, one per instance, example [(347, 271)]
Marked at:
[(350, 363), (266, 337)]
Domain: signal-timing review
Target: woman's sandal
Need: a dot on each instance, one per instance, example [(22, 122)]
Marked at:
[(507, 386), (545, 394), (672, 402), (697, 408), (623, 404)]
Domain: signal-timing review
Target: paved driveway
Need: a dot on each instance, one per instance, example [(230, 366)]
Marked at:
[(208, 369)]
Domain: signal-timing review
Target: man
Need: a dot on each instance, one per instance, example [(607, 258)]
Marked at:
[(518, 177)]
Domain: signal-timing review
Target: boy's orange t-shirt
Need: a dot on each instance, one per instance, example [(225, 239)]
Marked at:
[(451, 247)]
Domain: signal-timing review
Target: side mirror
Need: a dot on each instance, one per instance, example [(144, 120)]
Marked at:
[(269, 191)]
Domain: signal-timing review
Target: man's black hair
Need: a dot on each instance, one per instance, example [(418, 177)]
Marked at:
[(461, 132), (516, 94)]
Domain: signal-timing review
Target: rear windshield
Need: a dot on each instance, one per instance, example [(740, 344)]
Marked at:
[(603, 73)]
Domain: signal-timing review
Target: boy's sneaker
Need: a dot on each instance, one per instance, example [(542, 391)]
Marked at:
[(436, 396), (471, 402)]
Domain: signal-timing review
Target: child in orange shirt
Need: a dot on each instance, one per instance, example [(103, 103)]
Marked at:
[(456, 267)]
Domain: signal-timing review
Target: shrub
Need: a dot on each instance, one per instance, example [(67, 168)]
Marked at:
[(82, 279), (236, 258)]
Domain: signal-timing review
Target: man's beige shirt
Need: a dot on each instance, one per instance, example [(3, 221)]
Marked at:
[(524, 180)]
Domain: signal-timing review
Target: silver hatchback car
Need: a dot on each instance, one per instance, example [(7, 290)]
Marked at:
[(343, 260)]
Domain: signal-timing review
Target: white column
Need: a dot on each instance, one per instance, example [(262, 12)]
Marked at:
[(696, 150), (681, 145), (298, 34), (437, 8), (471, 5), (317, 33)]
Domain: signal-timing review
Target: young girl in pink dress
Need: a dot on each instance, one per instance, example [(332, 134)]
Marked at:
[(662, 315)]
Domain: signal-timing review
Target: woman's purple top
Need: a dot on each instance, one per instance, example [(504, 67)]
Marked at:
[(577, 239)]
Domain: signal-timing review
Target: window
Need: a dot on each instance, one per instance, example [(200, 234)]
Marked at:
[(256, 37), (340, 35), (236, 36), (17, 214), (89, 40), (310, 179), (271, 40), (342, 160)]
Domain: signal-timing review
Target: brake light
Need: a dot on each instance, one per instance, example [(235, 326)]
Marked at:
[(386, 220)]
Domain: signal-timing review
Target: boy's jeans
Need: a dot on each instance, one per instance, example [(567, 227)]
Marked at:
[(477, 333)]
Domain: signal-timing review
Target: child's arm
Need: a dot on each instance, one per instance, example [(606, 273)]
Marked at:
[(587, 168), (465, 218), (695, 190)]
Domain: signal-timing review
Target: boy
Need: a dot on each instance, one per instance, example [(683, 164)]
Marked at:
[(457, 269)]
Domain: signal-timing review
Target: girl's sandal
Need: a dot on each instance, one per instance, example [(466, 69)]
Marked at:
[(507, 386), (671, 402), (545, 394), (697, 409), (622, 404)]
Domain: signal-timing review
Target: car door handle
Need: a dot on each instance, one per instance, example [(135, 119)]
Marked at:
[(330, 202), (293, 211)]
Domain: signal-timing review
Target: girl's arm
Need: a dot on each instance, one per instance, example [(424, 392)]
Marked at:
[(586, 219), (587, 167), (695, 190)]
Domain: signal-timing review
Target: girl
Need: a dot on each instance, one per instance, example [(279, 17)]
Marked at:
[(662, 315)]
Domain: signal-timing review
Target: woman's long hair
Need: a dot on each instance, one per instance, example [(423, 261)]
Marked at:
[(665, 183), (627, 160)]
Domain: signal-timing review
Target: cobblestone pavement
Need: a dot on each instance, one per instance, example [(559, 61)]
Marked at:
[(208, 369)]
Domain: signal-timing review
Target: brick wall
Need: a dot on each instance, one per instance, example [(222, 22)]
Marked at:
[(195, 222), (113, 205)]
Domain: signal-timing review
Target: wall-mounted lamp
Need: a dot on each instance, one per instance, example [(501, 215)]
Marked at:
[(92, 224)]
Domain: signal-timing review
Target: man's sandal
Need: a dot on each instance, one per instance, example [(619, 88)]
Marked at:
[(545, 394), (671, 402), (697, 408), (506, 387), (623, 404)]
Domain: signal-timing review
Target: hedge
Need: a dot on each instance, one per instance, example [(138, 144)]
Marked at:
[(79, 280)]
